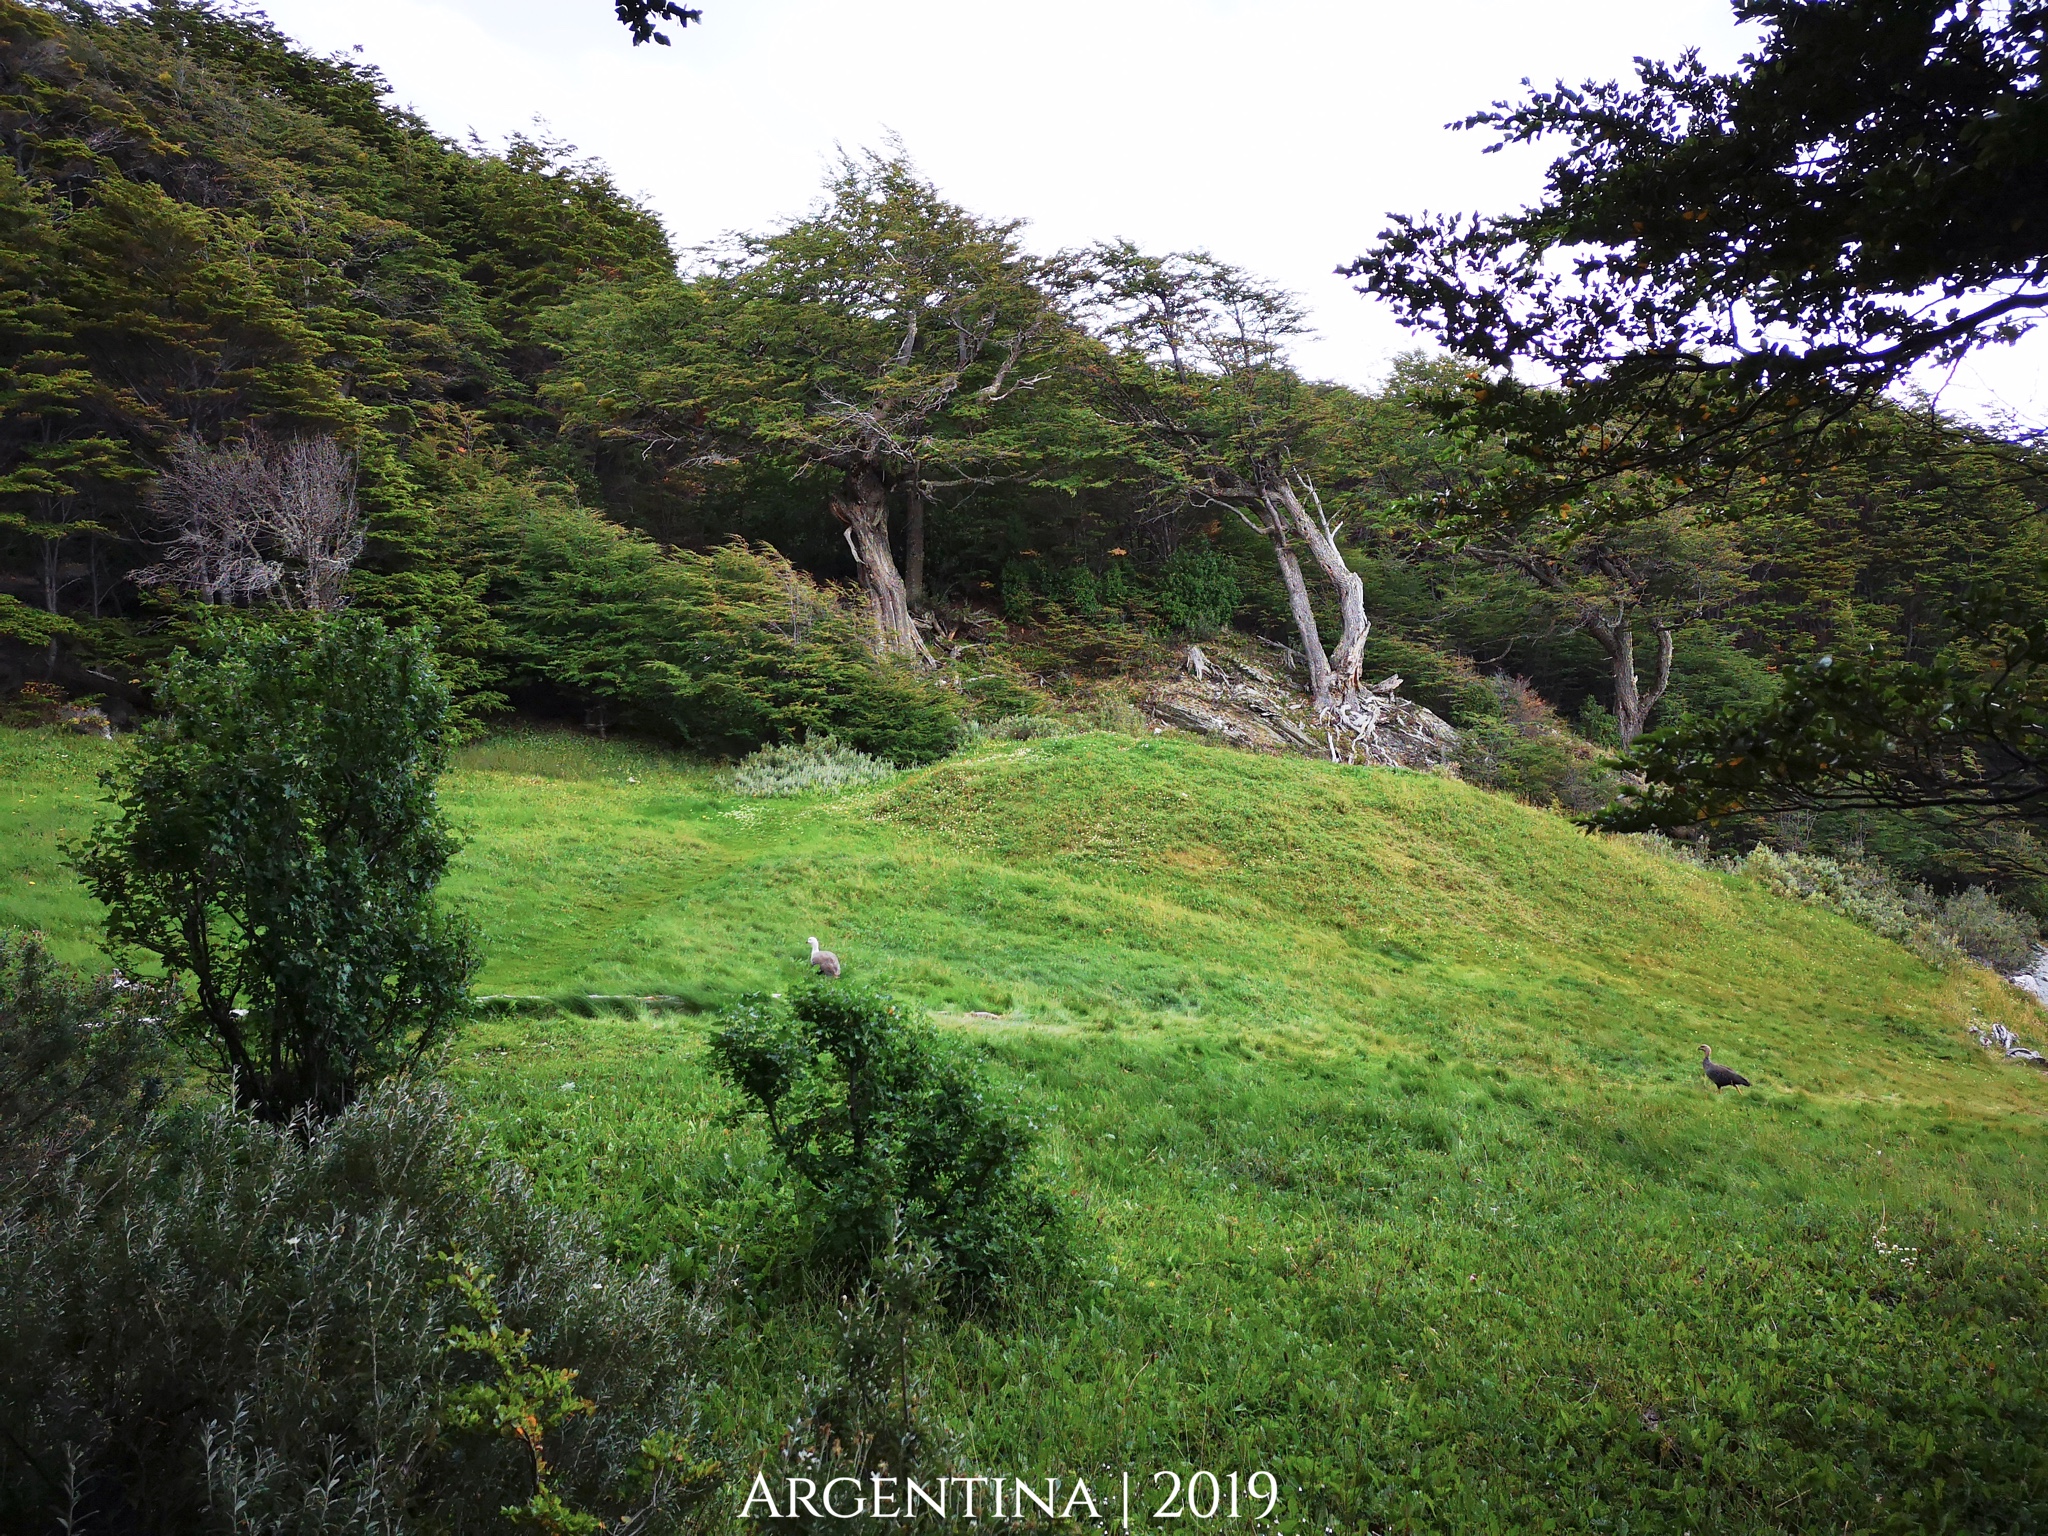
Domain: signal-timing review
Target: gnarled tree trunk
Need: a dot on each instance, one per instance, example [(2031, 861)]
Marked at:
[(913, 546), (1632, 702), (863, 506), (1274, 525), (1347, 658)]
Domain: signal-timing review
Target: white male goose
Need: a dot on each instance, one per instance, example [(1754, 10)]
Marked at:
[(826, 962), (1720, 1076)]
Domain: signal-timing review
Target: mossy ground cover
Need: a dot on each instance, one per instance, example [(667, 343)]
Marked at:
[(1375, 1097)]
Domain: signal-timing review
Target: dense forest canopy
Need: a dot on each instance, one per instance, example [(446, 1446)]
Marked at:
[(271, 342)]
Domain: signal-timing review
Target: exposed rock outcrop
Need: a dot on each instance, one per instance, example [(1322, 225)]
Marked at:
[(2034, 979)]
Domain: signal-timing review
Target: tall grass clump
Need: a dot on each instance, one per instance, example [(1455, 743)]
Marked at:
[(1013, 728), (820, 763)]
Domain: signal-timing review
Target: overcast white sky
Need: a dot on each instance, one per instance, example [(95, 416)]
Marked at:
[(1275, 133)]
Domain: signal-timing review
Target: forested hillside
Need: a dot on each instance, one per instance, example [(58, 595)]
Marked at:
[(696, 494), (638, 884)]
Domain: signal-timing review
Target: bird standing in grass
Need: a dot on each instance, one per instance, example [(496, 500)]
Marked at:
[(1720, 1076), (826, 962)]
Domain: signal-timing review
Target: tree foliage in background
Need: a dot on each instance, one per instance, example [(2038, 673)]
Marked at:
[(207, 235), (1725, 275), (276, 844), (1962, 736), (885, 344)]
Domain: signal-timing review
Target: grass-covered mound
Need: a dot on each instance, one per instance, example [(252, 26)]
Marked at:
[(1376, 1097)]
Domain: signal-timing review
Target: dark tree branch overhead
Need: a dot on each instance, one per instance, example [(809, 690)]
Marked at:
[(1869, 191), (640, 18), (1725, 253)]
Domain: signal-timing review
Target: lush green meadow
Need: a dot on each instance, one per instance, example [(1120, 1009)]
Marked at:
[(1376, 1098)]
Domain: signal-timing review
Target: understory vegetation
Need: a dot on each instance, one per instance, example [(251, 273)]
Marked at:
[(1414, 1197)]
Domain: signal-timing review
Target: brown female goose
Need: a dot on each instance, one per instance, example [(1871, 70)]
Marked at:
[(1720, 1076)]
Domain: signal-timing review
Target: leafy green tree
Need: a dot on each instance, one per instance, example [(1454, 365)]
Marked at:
[(1201, 381), (277, 842), (886, 343), (1962, 735), (1611, 583), (1725, 274)]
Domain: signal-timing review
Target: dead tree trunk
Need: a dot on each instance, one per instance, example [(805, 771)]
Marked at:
[(1315, 530), (1275, 527), (863, 506), (913, 546), (1334, 675), (1632, 702)]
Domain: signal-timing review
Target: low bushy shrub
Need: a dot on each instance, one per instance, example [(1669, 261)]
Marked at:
[(1527, 751), (79, 1060), (819, 763), (355, 1324), (890, 1135), (1970, 924), (1198, 590), (276, 840), (1987, 929), (719, 652)]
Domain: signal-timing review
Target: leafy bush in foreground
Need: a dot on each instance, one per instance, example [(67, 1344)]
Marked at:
[(892, 1137), (818, 763), (278, 841), (339, 1326)]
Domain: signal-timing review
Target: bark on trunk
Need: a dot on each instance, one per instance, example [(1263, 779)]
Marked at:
[(863, 507), (1347, 658), (1632, 702), (1304, 614), (51, 551), (913, 547)]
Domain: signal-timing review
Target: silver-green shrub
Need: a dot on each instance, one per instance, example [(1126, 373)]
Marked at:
[(212, 1315), (1971, 924), (820, 763)]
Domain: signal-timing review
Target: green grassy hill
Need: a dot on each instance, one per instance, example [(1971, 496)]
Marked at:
[(1378, 1100)]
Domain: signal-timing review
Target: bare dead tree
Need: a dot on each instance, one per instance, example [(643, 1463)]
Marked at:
[(1280, 513), (258, 521), (209, 505), (1207, 381), (313, 523)]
